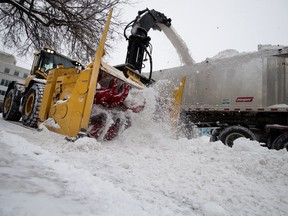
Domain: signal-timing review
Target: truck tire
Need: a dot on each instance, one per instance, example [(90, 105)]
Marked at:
[(231, 133), (11, 105), (281, 142), (31, 105)]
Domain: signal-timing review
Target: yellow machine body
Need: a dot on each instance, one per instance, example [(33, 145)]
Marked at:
[(64, 99)]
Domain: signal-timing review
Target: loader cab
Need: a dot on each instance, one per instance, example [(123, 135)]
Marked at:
[(48, 59)]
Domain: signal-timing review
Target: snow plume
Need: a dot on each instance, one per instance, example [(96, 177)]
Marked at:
[(179, 44), (145, 123)]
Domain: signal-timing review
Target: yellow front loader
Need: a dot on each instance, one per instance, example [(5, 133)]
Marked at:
[(76, 101), (62, 97)]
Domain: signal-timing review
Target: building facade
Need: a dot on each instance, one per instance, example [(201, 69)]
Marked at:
[(9, 72)]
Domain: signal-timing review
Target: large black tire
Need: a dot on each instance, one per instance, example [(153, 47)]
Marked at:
[(231, 133), (11, 105), (281, 142), (31, 105)]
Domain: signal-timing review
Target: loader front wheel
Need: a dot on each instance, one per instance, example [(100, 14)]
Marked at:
[(31, 105), (11, 106), (231, 133)]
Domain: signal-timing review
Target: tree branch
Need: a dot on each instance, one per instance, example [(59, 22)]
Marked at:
[(72, 26)]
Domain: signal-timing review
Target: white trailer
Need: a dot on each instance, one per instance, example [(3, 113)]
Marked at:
[(245, 95)]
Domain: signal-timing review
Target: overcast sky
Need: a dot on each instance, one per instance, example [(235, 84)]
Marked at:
[(208, 27), (211, 26)]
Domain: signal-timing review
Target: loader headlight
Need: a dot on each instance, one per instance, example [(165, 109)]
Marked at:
[(78, 64), (48, 50)]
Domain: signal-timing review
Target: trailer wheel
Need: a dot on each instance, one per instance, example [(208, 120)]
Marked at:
[(31, 105), (231, 133), (11, 105), (281, 142)]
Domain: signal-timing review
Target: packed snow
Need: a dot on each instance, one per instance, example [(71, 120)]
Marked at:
[(144, 171), (226, 54)]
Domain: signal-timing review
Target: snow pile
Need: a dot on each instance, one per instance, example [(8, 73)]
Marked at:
[(85, 144), (275, 106), (144, 171), (45, 184), (226, 54)]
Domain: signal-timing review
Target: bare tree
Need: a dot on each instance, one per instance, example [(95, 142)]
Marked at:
[(73, 27)]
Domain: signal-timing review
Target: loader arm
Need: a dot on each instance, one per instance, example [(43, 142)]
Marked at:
[(139, 41)]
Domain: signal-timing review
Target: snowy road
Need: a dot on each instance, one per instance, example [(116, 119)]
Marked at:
[(142, 172)]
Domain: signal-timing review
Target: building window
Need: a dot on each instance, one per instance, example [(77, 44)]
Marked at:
[(2, 92), (16, 73), (25, 75), (5, 82), (7, 70)]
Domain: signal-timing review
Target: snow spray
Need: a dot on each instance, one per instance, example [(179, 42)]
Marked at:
[(178, 43)]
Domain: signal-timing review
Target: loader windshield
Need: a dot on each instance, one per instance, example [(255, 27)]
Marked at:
[(46, 61), (51, 60)]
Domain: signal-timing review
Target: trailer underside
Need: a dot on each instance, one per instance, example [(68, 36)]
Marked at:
[(266, 126)]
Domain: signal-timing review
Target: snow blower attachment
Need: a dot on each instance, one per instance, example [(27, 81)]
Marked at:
[(176, 106), (70, 98)]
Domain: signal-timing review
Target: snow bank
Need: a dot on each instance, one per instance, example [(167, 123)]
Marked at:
[(45, 184), (226, 54), (279, 106), (144, 171)]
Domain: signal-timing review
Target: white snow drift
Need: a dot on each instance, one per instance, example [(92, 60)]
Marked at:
[(142, 172)]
